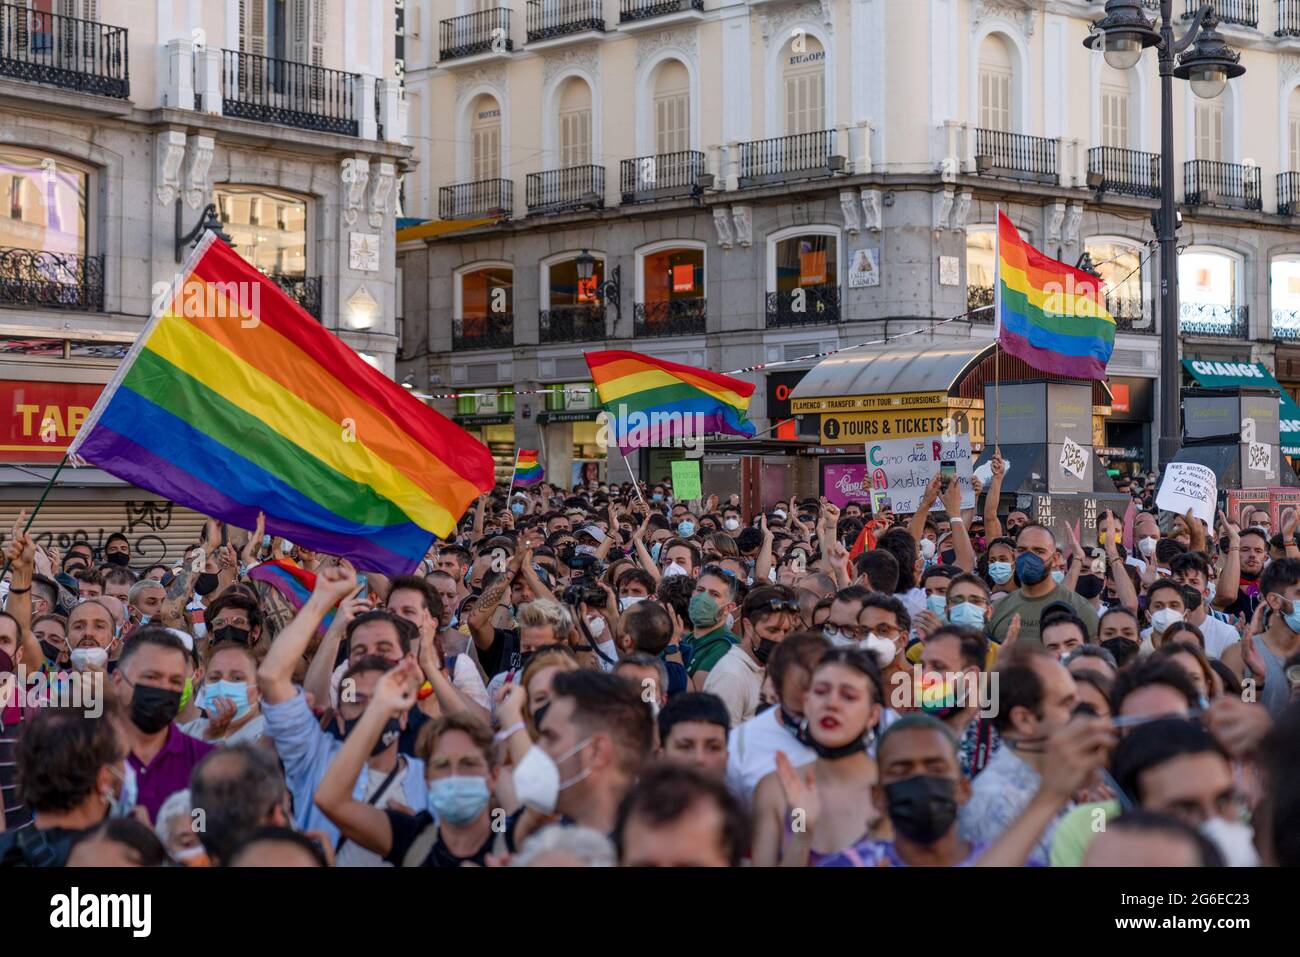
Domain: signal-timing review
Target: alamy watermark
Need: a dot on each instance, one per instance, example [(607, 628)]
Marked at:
[(193, 298)]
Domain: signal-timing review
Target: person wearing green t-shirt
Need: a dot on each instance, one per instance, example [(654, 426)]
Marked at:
[(1036, 551), (714, 600)]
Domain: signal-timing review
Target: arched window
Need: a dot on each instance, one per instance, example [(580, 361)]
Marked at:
[(575, 123), (571, 307), (981, 269), (1119, 262), (1116, 105), (670, 289), (672, 107), (1293, 131), (803, 69), (1210, 117), (803, 276), (268, 227), (1209, 289), (483, 310), (996, 76), (485, 137), (1284, 282), (45, 202)]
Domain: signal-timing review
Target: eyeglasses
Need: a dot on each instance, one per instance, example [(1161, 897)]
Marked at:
[(782, 604)]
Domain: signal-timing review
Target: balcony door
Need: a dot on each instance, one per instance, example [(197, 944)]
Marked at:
[(672, 106), (485, 138), (1293, 131), (1116, 104), (284, 30), (575, 123), (804, 75), (1209, 131), (996, 71)]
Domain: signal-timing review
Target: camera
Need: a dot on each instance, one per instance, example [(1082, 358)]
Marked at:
[(584, 591)]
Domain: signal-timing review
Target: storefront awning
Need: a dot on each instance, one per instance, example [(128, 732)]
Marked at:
[(1215, 374), (928, 368)]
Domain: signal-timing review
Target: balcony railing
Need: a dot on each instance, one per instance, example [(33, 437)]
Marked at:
[(1244, 13), (1210, 183), (1288, 194), (304, 290), (572, 324), (484, 32), (1286, 324), (631, 10), (665, 176), (63, 51), (1208, 319), (1127, 172), (799, 156), (561, 190), (496, 330), (669, 317), (1131, 315), (308, 97), (32, 277), (980, 297), (1288, 18), (483, 199), (548, 19), (1015, 156), (804, 306)]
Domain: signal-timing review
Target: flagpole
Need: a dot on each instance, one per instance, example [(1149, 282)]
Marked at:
[(41, 501), (997, 332), (513, 471), (635, 484)]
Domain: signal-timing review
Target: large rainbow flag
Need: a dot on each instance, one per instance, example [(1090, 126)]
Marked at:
[(528, 471), (650, 401), (233, 400), (1049, 314)]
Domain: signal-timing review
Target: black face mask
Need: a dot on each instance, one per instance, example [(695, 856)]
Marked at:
[(392, 731), (1089, 586), (120, 559), (763, 650), (857, 746), (206, 583), (922, 808), (232, 633), (152, 709)]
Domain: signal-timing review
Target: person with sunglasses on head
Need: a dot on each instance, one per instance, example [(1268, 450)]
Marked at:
[(768, 614)]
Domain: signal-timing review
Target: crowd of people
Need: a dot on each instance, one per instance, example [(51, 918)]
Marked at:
[(607, 676)]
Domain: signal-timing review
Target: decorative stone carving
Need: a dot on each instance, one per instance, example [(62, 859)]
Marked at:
[(722, 225), (743, 217), (1055, 216), (775, 23), (943, 207), (196, 176), (1288, 66), (1073, 220), (355, 174), (381, 193), (961, 211), (849, 210), (585, 57), (1023, 13), (649, 45), (493, 76), (871, 204), (170, 154)]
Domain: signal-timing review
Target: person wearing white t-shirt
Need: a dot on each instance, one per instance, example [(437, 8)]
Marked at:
[(768, 614), (1193, 571)]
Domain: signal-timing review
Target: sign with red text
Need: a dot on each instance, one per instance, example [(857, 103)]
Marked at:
[(39, 419)]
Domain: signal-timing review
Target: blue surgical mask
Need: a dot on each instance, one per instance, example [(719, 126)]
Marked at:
[(458, 799), (517, 508), (1000, 572), (967, 614), (1292, 618), (1030, 569), (1058, 576), (657, 497), (685, 529), (654, 551), (936, 604), (236, 691)]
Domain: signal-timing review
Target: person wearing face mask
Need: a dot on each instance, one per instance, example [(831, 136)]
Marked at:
[(455, 825), (1036, 696), (999, 567), (952, 662), (228, 697), (804, 815), (74, 777), (150, 680), (710, 638), (731, 520), (768, 615), (234, 617), (935, 581), (92, 636), (144, 602), (1192, 571), (1272, 637), (542, 624), (1036, 551), (1166, 604), (117, 550)]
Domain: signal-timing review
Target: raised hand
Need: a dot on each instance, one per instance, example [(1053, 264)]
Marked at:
[(801, 798), (395, 691), (1013, 631), (1238, 726), (1252, 656), (20, 550), (997, 466), (1075, 753), (510, 701), (336, 583), (220, 718), (951, 497)]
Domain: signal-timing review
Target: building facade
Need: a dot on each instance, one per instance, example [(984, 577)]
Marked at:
[(769, 179), (120, 120)]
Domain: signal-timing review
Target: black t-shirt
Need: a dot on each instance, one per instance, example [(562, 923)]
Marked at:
[(407, 829), (1245, 604), (32, 848), (504, 653)]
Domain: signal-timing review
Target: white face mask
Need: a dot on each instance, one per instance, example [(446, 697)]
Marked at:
[(882, 649), (596, 626), (1162, 619), (927, 549), (627, 601), (837, 637), (89, 659), (731, 524), (673, 569), (1147, 546), (1235, 841), (537, 778)]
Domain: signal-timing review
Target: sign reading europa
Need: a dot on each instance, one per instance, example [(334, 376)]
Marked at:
[(41, 418)]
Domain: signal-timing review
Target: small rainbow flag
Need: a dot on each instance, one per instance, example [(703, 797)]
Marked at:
[(650, 401), (294, 583), (233, 400), (1051, 315), (528, 471)]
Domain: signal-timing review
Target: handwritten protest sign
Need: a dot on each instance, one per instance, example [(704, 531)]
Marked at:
[(1189, 485), (904, 468), (686, 480), (1074, 458)]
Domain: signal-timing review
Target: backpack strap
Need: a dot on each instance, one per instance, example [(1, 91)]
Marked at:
[(421, 847)]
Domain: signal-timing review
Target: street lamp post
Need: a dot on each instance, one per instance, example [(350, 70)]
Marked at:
[(1204, 59)]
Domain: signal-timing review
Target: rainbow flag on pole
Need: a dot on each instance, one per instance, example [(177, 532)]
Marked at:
[(233, 400), (528, 471), (1049, 314), (294, 583), (650, 401)]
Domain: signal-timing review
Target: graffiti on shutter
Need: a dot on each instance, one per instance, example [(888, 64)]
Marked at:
[(159, 531)]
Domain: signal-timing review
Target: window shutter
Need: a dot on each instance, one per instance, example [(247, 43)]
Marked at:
[(1293, 138), (317, 53)]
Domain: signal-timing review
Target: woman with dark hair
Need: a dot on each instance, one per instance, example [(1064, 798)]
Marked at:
[(803, 815), (118, 842)]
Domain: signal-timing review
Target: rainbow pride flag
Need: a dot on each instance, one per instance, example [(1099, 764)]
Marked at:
[(233, 400), (1049, 314), (294, 583), (651, 401), (528, 471)]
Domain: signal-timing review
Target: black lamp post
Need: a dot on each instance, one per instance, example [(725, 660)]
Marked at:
[(611, 290), (1204, 59), (209, 221)]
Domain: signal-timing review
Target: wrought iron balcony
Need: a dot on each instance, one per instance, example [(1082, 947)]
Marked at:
[(799, 156), (1219, 322), (670, 317), (479, 200), (1244, 13), (572, 324), (1232, 185), (32, 277), (61, 51), (487, 31), (1288, 194), (308, 97), (981, 298), (664, 176), (304, 290), (1127, 172), (1288, 18), (632, 10), (492, 331), (1286, 324), (1131, 315), (563, 190), (1015, 156), (804, 306), (548, 19)]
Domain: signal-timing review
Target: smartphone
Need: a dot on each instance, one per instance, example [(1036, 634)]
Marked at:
[(947, 472), (886, 504)]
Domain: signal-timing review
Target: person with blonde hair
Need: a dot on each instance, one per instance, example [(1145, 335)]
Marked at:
[(543, 623)]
